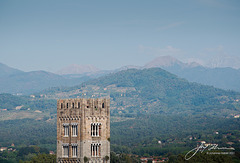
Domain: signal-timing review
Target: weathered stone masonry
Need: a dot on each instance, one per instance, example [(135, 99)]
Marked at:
[(83, 130)]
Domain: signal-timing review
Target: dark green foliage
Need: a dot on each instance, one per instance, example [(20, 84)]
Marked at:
[(123, 158), (32, 149), (8, 157), (43, 158), (8, 101), (30, 154), (141, 135), (204, 158), (28, 132), (85, 159), (41, 104), (3, 160), (106, 158)]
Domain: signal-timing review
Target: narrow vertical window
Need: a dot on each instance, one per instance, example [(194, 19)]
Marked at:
[(61, 105), (67, 105), (65, 151), (96, 150), (74, 130), (103, 105), (72, 105), (78, 104), (66, 130), (93, 129), (74, 151), (96, 130), (93, 150)]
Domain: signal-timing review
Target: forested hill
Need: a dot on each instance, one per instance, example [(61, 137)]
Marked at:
[(155, 90), (156, 83)]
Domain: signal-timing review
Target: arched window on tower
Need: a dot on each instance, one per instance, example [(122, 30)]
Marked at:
[(103, 105)]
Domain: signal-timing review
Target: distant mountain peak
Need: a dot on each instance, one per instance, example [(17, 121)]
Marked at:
[(77, 69), (163, 61), (168, 61)]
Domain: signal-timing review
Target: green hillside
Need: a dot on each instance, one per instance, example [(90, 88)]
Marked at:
[(155, 91)]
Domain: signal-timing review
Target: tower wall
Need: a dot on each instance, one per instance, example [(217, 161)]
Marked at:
[(92, 118)]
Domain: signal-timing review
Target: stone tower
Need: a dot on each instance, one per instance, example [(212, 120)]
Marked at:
[(83, 130)]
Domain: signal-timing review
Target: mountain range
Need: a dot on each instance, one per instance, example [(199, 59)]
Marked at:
[(19, 82), (225, 78), (221, 77)]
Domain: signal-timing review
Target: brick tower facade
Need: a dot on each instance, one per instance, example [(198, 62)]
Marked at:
[(83, 130)]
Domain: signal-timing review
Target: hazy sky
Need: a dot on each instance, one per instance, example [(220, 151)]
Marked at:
[(51, 34)]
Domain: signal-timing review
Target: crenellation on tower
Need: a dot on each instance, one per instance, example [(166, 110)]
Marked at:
[(83, 130)]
